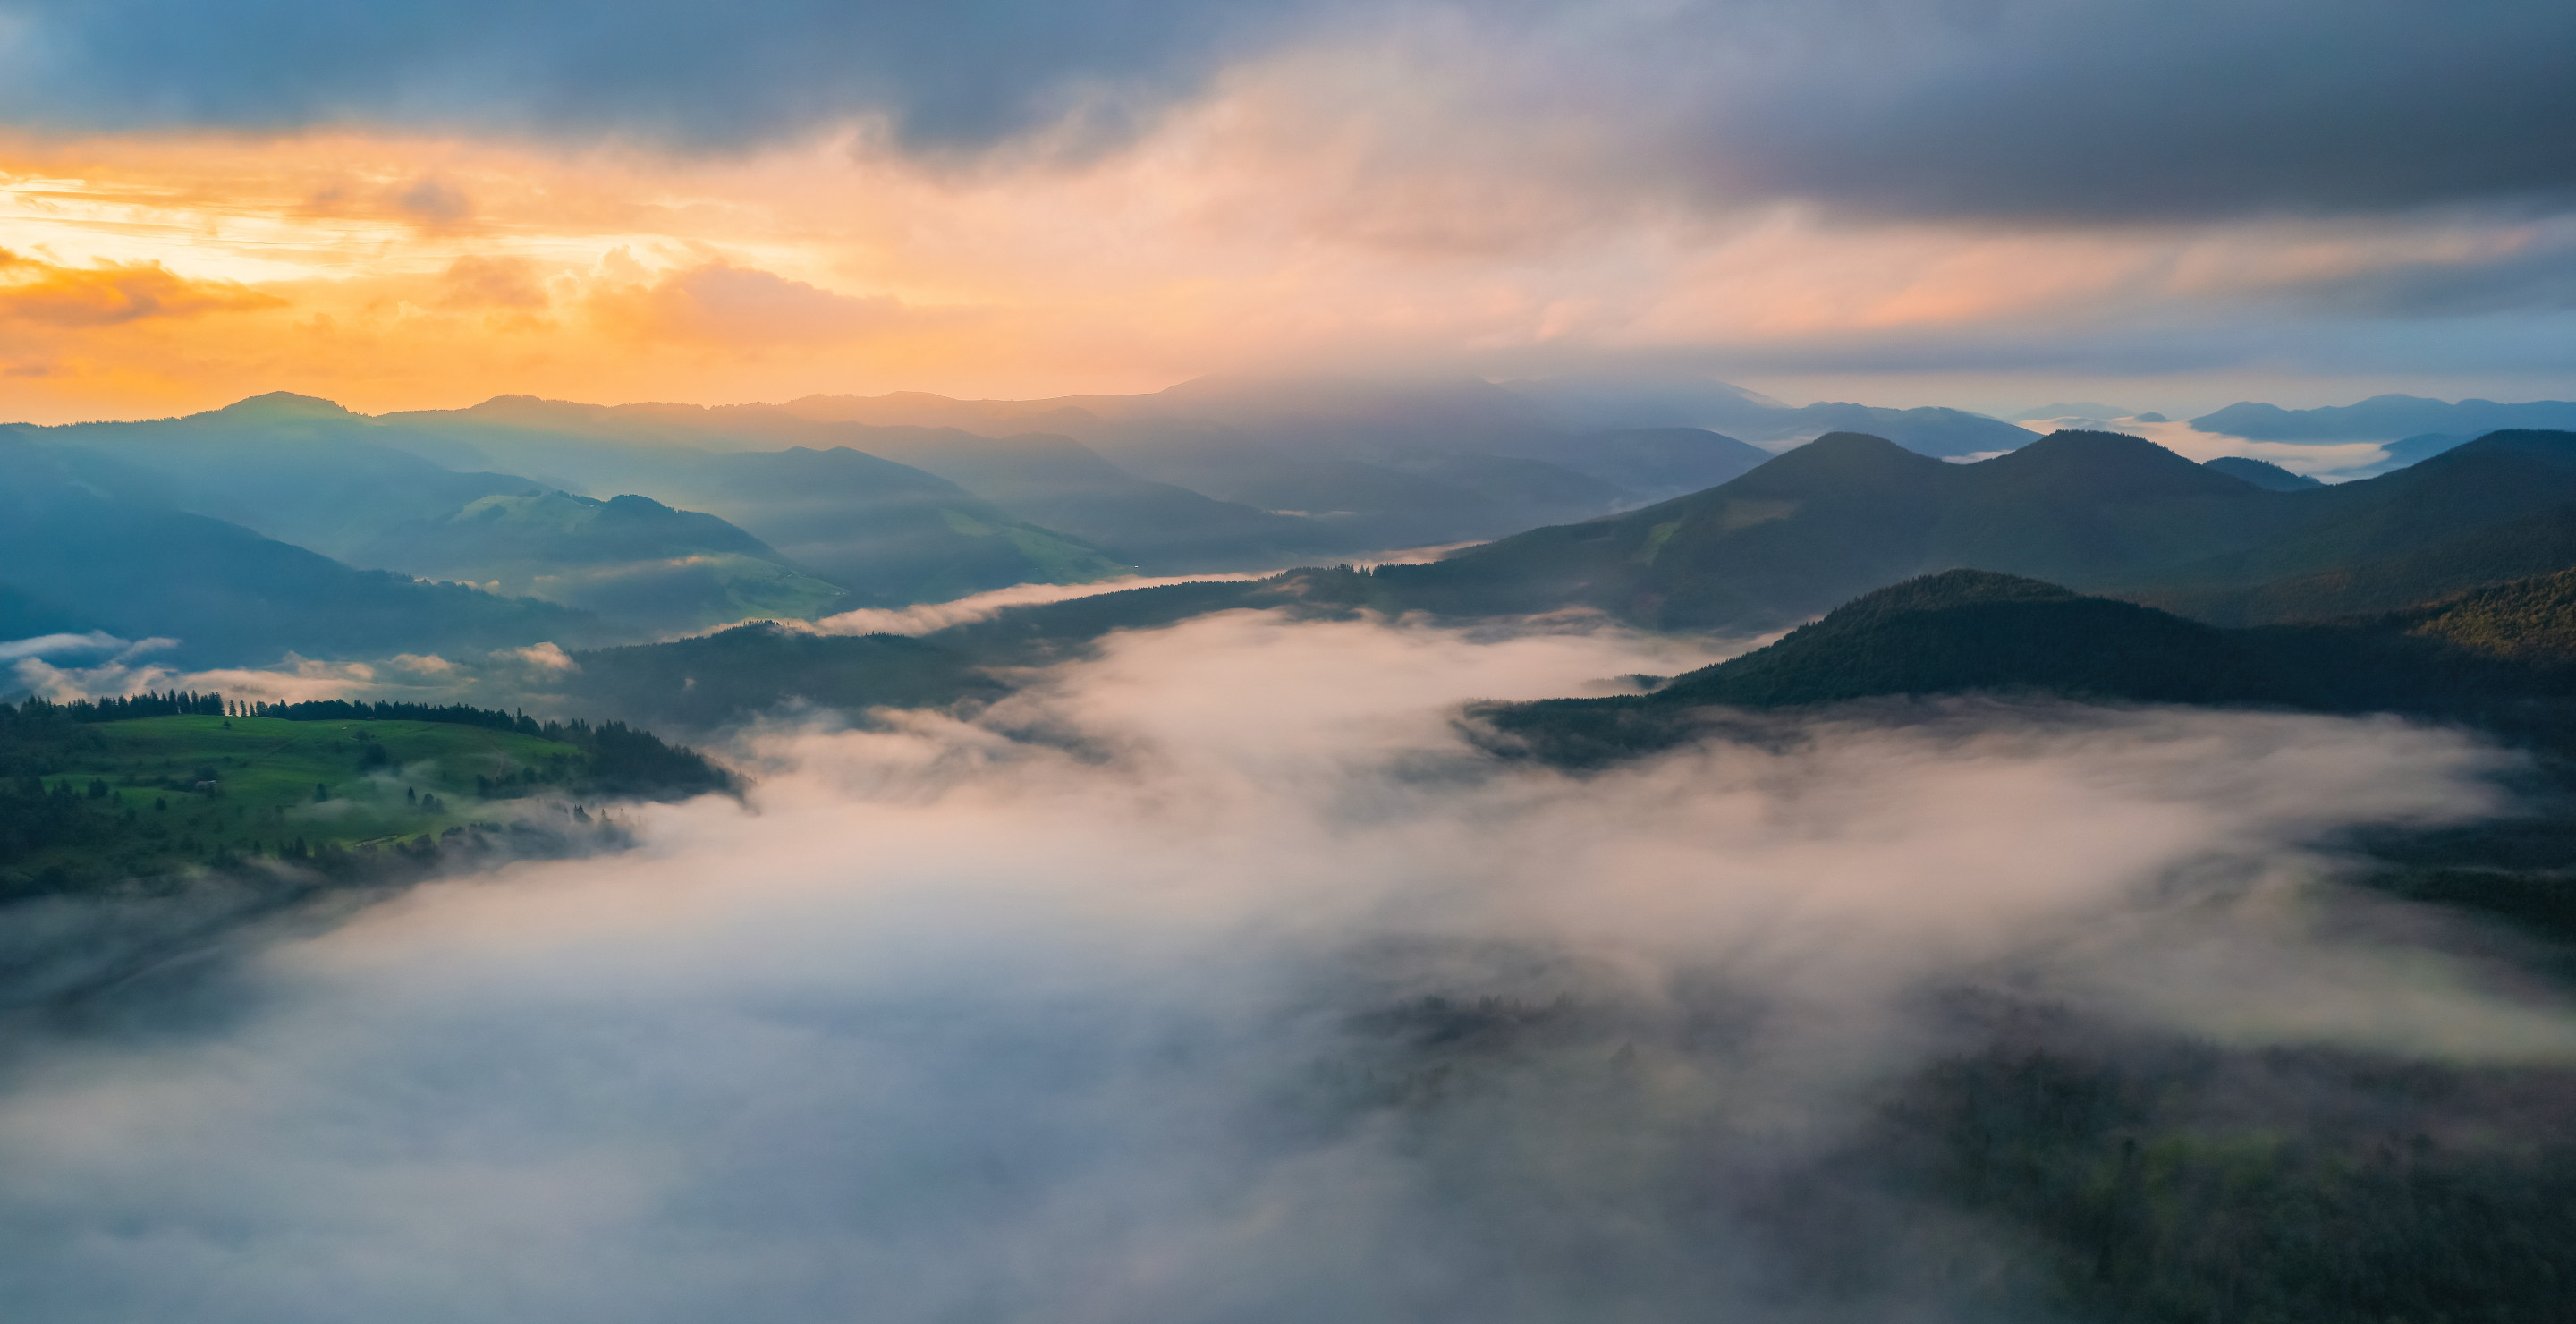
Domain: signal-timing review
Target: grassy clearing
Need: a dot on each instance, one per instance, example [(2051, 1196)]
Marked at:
[(190, 786)]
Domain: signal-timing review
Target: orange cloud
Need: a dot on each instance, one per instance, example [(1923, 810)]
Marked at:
[(493, 282), (112, 293), (723, 303)]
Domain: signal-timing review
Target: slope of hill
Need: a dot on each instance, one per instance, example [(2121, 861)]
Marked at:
[(378, 492), (2491, 482), (126, 789), (630, 559), (1656, 463), (699, 456), (2099, 511), (889, 533), (2503, 657), (1968, 630), (1058, 483), (2269, 477), (228, 596), (307, 472), (292, 467), (1850, 512), (2491, 554)]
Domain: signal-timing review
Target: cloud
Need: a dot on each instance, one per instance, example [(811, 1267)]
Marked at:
[(2061, 110), (669, 71), (2051, 110), (54, 645), (945, 1024), (720, 302), (111, 293), (547, 656), (434, 202), (493, 282), (925, 617)]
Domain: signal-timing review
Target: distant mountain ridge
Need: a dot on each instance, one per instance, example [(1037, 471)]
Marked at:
[(2100, 511), (80, 554), (2384, 418)]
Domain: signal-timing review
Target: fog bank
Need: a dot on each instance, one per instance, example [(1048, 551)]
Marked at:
[(1134, 998)]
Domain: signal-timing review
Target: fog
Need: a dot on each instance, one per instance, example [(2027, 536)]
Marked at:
[(1109, 1005)]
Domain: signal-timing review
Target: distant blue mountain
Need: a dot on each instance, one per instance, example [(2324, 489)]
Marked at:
[(2385, 418)]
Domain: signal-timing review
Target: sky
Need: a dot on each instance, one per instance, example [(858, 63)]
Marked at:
[(1984, 203)]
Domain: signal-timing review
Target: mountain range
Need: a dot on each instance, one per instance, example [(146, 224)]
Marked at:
[(592, 525), (2384, 418), (1848, 513)]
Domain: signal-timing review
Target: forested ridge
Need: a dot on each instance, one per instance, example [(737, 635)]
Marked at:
[(95, 790)]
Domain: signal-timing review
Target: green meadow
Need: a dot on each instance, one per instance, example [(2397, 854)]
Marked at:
[(195, 785)]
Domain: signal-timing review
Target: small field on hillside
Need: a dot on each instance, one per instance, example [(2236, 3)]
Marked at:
[(191, 786)]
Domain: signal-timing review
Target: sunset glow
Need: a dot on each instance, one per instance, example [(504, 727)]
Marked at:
[(1419, 195)]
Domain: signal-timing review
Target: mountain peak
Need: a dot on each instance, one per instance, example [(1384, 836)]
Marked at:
[(2261, 473), (2105, 466), (1954, 588), (284, 405)]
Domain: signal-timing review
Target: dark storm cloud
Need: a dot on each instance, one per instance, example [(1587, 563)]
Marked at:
[(2050, 110), (2063, 110), (2542, 277), (668, 71)]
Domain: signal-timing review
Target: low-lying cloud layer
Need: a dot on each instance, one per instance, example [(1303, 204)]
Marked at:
[(947, 1024)]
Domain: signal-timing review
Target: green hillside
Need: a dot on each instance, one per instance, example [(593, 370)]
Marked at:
[(1972, 630), (84, 800), (630, 559)]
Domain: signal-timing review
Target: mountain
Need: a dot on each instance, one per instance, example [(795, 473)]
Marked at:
[(1655, 462), (1948, 433), (1040, 486), (1972, 630), (308, 472), (74, 552), (1580, 404), (889, 533), (1058, 483), (2384, 418), (2456, 513), (684, 530), (2269, 477), (630, 559), (1850, 512), (1256, 440), (2503, 657), (295, 468), (2422, 446), (2488, 554), (2105, 513)]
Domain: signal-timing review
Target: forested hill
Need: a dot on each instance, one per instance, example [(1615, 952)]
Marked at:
[(2502, 657), (97, 791), (2105, 513)]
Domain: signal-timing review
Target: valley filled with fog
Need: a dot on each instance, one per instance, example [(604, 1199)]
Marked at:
[(1287, 663), (1222, 976)]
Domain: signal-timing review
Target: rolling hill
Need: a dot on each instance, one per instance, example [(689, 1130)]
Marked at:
[(2502, 657), (76, 555), (133, 788), (2099, 511)]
